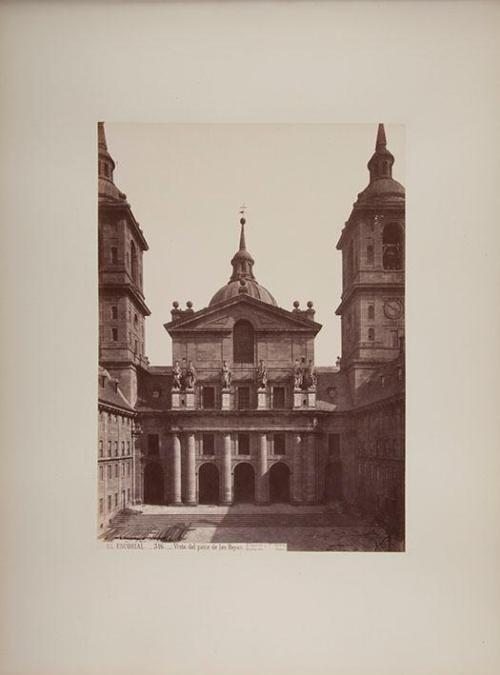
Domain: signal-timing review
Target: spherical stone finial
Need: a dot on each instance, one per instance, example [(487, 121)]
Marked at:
[(242, 221), (296, 304), (310, 304), (189, 304), (175, 304), (243, 282)]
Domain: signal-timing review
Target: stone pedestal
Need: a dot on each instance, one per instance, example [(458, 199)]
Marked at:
[(226, 399), (261, 399), (176, 495), (227, 488), (311, 398), (190, 471), (189, 399), (176, 399), (262, 483), (299, 397)]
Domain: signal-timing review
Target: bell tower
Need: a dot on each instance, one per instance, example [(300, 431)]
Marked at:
[(122, 307), (372, 245)]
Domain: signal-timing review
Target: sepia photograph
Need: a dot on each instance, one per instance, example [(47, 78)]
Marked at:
[(252, 335)]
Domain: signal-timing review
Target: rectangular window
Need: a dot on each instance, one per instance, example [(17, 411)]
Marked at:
[(115, 334), (109, 470), (123, 469), (101, 450), (334, 445), (394, 338), (101, 473), (116, 470), (116, 448), (128, 468), (114, 312), (279, 444), (123, 448), (243, 444), (153, 444), (243, 398), (109, 448), (128, 495), (208, 444), (208, 397), (116, 498), (101, 505), (278, 397), (114, 255), (109, 503), (369, 255), (128, 447)]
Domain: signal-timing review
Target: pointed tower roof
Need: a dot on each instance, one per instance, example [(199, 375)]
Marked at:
[(242, 279), (108, 191)]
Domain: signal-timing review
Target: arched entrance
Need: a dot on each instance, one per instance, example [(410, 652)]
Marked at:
[(333, 481), (208, 484), (279, 483), (153, 484), (244, 483)]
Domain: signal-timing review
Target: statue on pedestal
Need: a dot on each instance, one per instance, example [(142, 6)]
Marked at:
[(226, 375), (177, 376), (261, 375), (311, 378), (298, 375), (190, 376)]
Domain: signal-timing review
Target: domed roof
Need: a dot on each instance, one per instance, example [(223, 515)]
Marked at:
[(382, 188), (233, 289), (242, 280)]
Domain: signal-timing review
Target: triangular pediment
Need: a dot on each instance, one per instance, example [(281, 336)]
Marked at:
[(262, 315)]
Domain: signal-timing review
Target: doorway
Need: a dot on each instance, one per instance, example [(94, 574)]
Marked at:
[(333, 481), (244, 483), (279, 483), (153, 484), (208, 484)]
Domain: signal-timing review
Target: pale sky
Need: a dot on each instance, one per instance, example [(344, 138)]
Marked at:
[(186, 183)]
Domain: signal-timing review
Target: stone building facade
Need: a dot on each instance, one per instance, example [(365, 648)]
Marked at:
[(243, 414)]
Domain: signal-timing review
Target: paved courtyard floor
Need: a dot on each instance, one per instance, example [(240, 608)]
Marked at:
[(300, 528)]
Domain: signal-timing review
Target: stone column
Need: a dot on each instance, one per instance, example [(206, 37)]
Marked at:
[(297, 469), (310, 470), (227, 488), (175, 497), (262, 481), (190, 471)]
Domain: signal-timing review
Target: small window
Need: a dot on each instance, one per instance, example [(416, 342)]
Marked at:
[(243, 398), (109, 503), (115, 334), (157, 393), (278, 397), (128, 447), (116, 498), (123, 448), (153, 444), (101, 473), (371, 334), (109, 448), (114, 312), (101, 451), (369, 255), (136, 320), (243, 444), (128, 468), (128, 495), (334, 445), (116, 470), (208, 397), (394, 338), (116, 448), (114, 255), (101, 505), (208, 444), (371, 311), (279, 444), (136, 348), (123, 470)]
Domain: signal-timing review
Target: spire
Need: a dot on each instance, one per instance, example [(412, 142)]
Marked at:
[(106, 164), (380, 164), (101, 137), (242, 261)]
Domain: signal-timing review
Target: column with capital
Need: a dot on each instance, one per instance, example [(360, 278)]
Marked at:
[(261, 479), (227, 488), (297, 497), (190, 470), (310, 470), (176, 470)]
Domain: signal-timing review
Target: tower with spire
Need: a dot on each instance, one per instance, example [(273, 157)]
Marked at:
[(122, 306), (372, 245)]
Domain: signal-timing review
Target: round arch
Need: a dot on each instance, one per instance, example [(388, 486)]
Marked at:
[(154, 490), (208, 483), (244, 483), (279, 483)]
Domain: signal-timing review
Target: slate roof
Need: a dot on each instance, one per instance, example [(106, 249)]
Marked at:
[(110, 393)]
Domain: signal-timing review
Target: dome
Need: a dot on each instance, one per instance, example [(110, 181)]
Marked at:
[(382, 188), (232, 290)]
